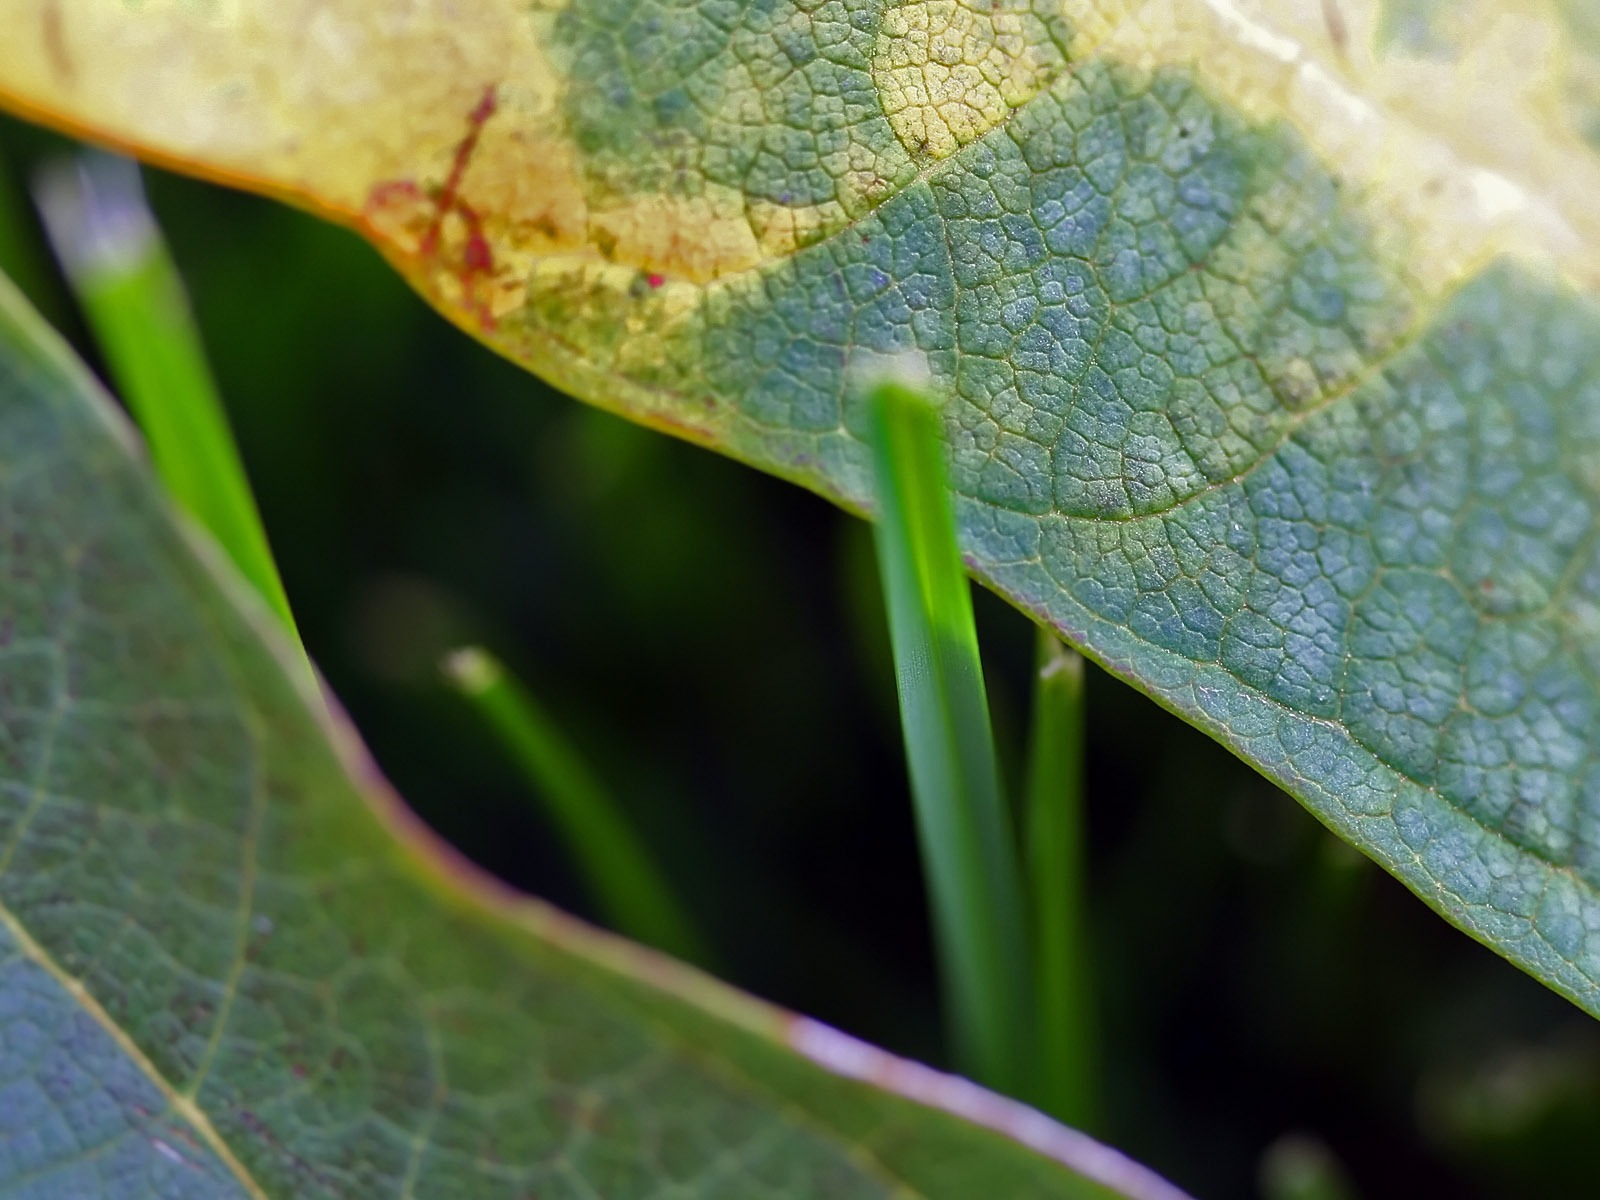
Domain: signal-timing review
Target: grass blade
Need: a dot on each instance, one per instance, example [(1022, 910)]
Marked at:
[(620, 872), (108, 243), (1053, 823), (969, 852)]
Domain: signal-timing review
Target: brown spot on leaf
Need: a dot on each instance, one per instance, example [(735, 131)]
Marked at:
[(55, 43), (1338, 32)]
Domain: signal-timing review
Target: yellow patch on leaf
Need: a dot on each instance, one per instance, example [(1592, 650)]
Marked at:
[(698, 238), (948, 71), (1458, 161)]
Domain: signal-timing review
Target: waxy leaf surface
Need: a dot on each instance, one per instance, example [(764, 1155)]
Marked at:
[(231, 967), (1269, 328)]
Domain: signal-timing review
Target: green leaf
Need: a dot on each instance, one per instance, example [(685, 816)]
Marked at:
[(231, 965), (1271, 333)]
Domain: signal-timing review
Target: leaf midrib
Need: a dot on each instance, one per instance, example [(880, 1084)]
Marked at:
[(180, 1104)]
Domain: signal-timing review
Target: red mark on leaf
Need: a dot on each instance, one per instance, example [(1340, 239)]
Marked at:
[(449, 195), (476, 262), (395, 191), (655, 280)]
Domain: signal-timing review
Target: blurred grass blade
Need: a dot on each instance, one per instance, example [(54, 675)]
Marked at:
[(106, 238), (1301, 1167), (614, 862), (1053, 825), (969, 852)]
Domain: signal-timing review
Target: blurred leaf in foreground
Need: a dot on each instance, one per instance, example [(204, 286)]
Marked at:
[(231, 964)]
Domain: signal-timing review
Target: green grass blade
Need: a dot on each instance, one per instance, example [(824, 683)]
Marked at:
[(1064, 1060), (125, 281), (969, 852), (618, 869), (1299, 1167)]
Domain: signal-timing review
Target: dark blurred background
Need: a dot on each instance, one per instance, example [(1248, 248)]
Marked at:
[(1279, 1018)]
